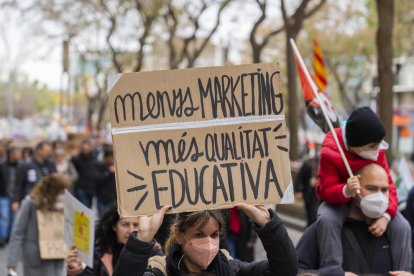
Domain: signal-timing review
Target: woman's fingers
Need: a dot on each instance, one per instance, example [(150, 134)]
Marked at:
[(259, 214)]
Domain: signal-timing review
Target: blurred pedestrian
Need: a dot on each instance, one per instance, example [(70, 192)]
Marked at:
[(27, 154), (2, 152), (85, 163), (305, 183), (105, 184), (361, 139), (65, 167), (46, 196), (8, 176), (240, 236), (112, 232), (32, 171)]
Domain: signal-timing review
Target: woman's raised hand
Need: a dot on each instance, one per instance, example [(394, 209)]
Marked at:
[(258, 214), (149, 225)]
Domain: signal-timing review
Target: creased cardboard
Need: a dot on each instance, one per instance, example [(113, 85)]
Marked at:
[(51, 239), (199, 138)]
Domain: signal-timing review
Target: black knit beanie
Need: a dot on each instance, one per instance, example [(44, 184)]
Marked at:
[(364, 127)]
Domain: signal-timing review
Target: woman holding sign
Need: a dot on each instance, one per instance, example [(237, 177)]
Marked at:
[(193, 246), (111, 234), (34, 230)]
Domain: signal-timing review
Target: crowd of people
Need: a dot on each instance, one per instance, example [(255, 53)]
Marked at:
[(354, 226), (89, 169)]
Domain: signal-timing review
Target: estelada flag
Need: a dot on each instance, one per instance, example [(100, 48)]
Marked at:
[(312, 105)]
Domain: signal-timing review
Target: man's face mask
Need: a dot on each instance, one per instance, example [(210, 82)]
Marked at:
[(201, 251), (374, 205)]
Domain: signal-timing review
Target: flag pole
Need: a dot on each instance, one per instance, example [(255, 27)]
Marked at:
[(325, 115)]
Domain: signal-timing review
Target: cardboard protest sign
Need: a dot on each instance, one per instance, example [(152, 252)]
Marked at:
[(51, 242), (79, 228), (203, 138)]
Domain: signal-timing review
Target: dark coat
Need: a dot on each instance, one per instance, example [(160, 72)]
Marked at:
[(29, 173), (86, 166), (105, 184), (279, 248), (376, 251), (100, 268), (8, 178)]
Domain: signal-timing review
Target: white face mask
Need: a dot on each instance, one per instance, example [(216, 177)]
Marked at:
[(374, 205), (369, 154)]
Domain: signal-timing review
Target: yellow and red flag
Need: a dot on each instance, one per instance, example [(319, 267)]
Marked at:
[(319, 69)]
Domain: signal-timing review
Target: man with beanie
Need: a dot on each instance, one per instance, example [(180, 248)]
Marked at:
[(361, 138)]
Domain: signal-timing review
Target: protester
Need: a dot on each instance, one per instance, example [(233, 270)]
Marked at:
[(111, 234), (47, 195), (105, 184), (361, 139), (240, 236), (65, 166), (85, 163), (193, 246), (409, 213), (27, 154), (305, 182), (8, 176), (371, 254), (32, 171)]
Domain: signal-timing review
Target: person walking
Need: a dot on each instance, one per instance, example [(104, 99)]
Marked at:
[(8, 176), (32, 171), (85, 164), (46, 196)]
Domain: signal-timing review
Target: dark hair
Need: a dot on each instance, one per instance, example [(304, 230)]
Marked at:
[(28, 150), (108, 151), (185, 220), (10, 151), (105, 236), (40, 145)]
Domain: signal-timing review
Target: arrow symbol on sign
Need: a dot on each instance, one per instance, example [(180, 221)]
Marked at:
[(138, 188)]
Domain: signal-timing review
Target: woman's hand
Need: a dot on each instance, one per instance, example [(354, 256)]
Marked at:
[(74, 264), (258, 214), (149, 225)]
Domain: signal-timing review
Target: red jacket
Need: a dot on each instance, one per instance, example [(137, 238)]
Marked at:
[(332, 173)]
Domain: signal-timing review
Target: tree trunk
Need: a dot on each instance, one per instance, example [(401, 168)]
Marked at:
[(293, 111), (385, 9)]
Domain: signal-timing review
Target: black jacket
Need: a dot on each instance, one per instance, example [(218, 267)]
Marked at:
[(86, 166), (99, 268), (8, 178), (279, 248), (105, 184), (28, 174), (376, 252)]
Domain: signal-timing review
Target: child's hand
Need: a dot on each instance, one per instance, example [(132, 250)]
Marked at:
[(352, 185), (378, 226)]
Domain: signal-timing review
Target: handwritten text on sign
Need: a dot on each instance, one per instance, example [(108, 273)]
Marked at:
[(221, 142)]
